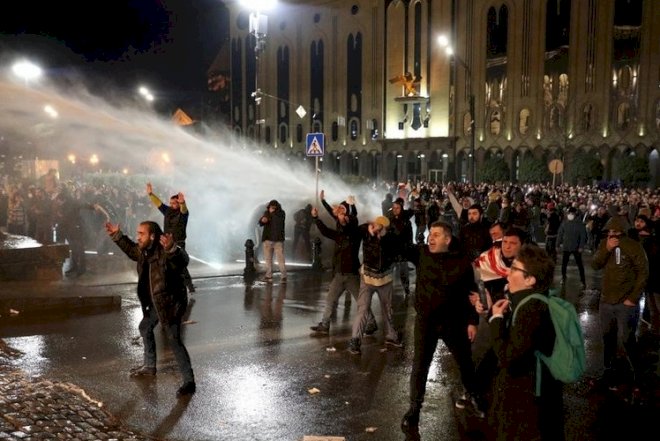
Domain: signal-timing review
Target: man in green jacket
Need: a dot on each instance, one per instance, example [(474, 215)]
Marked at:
[(625, 271)]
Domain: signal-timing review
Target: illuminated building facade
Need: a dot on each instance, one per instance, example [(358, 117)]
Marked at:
[(550, 79)]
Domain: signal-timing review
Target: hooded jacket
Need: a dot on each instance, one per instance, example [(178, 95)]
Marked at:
[(274, 227), (627, 278)]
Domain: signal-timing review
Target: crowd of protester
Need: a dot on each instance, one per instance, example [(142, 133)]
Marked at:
[(446, 232), (49, 209)]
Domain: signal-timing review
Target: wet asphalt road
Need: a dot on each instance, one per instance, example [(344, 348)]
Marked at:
[(255, 362)]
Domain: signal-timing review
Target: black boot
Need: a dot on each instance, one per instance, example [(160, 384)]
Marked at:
[(410, 420)]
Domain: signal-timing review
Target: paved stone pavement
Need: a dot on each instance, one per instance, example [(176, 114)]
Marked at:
[(36, 409)]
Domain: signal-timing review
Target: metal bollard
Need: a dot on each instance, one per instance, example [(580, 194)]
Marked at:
[(316, 255), (250, 270)]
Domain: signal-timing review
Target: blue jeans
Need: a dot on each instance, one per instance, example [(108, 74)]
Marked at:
[(173, 332), (618, 323)]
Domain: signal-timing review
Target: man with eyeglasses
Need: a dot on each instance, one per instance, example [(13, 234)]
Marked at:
[(625, 272)]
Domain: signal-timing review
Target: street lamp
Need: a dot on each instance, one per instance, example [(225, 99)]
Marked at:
[(444, 42), (146, 94), (26, 70), (259, 28)]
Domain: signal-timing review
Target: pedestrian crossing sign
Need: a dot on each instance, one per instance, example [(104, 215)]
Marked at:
[(315, 144)]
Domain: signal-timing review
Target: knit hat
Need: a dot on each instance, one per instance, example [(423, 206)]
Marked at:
[(382, 220), (550, 206)]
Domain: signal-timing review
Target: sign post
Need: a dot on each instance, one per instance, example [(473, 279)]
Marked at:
[(555, 166), (316, 148)]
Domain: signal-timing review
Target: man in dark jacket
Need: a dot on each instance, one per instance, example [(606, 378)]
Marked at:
[(376, 276), (272, 237), (551, 230), (162, 294), (402, 234), (303, 223), (175, 222), (445, 279), (572, 238), (474, 236), (67, 216), (345, 265)]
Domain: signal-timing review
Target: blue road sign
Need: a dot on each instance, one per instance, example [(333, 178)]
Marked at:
[(315, 144)]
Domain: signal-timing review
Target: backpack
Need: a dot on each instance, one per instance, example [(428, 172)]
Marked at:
[(567, 361)]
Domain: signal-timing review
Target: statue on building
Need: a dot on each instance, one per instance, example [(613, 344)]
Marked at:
[(409, 83)]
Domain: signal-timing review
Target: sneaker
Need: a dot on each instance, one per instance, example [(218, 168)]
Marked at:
[(188, 388), (142, 371), (469, 401), (354, 346), (321, 328), (267, 279), (371, 329), (394, 342), (410, 419)]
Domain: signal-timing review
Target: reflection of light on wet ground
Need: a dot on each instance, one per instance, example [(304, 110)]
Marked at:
[(33, 347), (251, 392)]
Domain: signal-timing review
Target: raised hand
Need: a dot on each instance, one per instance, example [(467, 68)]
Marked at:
[(166, 241), (322, 195), (181, 198), (111, 228), (150, 189)]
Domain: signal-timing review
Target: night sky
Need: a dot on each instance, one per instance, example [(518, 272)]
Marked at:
[(166, 44)]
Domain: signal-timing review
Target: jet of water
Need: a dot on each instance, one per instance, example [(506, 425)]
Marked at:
[(227, 181)]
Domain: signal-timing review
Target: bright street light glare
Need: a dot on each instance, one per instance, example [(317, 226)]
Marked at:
[(94, 159), (443, 41), (449, 51), (26, 70)]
